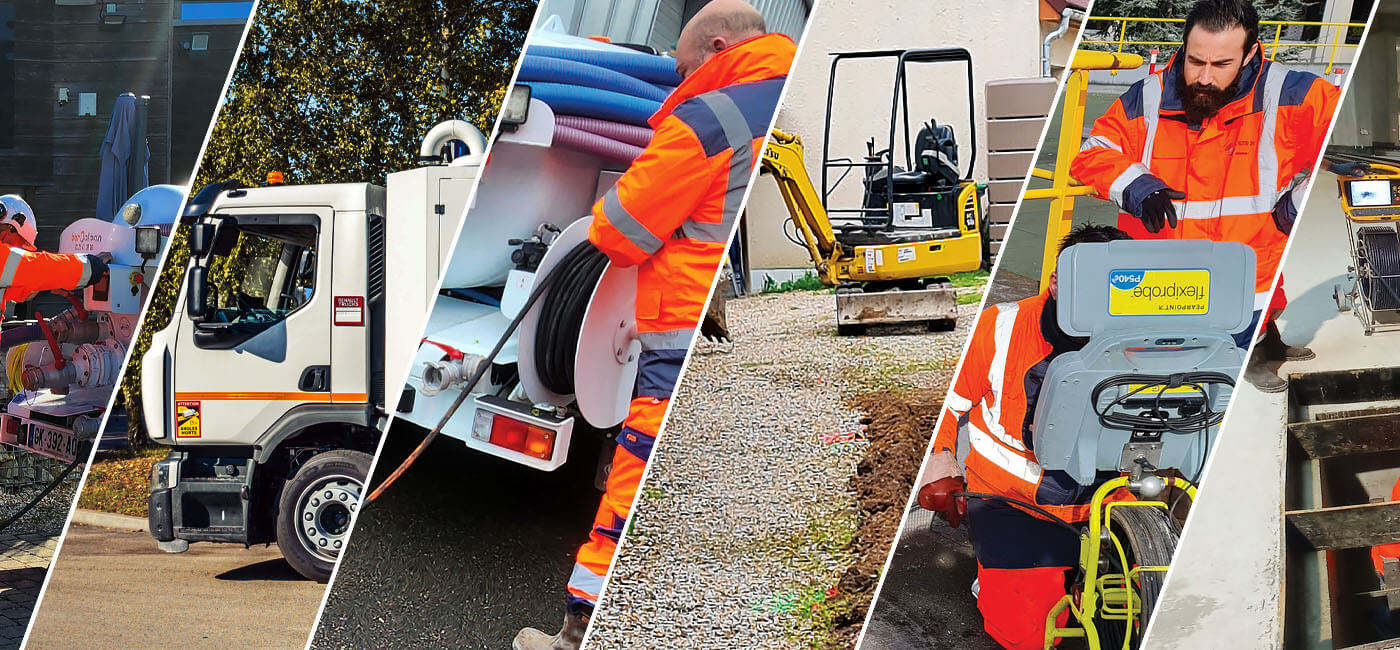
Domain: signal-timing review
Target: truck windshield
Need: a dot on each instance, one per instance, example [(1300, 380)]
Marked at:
[(262, 273)]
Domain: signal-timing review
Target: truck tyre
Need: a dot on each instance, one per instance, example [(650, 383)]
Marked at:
[(315, 510)]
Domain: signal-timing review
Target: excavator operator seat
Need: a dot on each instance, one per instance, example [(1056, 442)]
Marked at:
[(924, 205), (937, 148), (1147, 389)]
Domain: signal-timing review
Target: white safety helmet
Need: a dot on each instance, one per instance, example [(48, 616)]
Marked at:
[(17, 213)]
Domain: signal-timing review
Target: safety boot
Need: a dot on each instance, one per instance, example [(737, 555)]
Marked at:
[(1259, 374), (1276, 350), (568, 638)]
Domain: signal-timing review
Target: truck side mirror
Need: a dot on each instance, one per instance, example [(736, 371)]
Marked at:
[(201, 239), (197, 296)]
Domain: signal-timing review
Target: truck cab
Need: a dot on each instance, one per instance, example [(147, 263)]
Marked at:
[(300, 306)]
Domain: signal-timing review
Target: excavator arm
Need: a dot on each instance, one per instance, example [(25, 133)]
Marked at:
[(783, 159)]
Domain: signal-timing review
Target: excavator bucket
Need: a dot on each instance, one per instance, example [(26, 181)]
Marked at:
[(936, 305), (714, 326)]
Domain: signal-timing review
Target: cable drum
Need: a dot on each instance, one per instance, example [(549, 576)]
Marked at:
[(1379, 275), (562, 310)]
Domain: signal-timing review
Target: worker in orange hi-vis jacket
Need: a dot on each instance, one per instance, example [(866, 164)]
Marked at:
[(1271, 346), (26, 271), (1023, 558), (671, 215), (1217, 145)]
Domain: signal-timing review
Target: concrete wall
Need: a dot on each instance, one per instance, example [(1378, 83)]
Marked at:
[(1003, 37)]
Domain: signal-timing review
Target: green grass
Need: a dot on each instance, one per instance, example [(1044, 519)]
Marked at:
[(120, 481), (969, 278), (970, 298), (808, 282)]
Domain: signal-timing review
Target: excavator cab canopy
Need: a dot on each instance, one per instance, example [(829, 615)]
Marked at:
[(915, 200)]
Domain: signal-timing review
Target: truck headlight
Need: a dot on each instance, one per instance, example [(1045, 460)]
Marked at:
[(164, 475)]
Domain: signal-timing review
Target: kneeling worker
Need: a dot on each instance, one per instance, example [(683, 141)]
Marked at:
[(1023, 559)]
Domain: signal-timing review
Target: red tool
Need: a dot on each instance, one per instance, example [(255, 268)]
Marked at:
[(53, 342), (946, 496)]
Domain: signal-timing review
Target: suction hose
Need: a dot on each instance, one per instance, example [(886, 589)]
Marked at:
[(534, 68), (594, 144), (638, 136), (595, 103), (22, 334), (651, 68), (559, 274)]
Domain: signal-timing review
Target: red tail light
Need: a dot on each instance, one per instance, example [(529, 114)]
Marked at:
[(527, 439)]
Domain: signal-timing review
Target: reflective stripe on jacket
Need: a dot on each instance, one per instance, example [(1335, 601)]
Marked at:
[(1233, 168), (26, 273), (1005, 362), (672, 213)]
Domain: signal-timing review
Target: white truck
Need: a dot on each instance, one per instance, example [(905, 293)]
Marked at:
[(61, 370), (301, 306), (272, 393), (573, 357)]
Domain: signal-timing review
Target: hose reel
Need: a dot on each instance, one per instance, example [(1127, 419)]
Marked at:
[(1379, 271), (578, 343)]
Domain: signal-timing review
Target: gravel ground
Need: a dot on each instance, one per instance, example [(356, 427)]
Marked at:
[(746, 521), (48, 516)]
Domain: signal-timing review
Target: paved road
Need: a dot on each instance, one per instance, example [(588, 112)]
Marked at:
[(927, 600), (24, 559), (115, 589), (463, 551)]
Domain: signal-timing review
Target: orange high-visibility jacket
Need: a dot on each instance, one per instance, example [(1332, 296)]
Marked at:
[(1234, 168), (995, 391), (674, 210), (26, 273)]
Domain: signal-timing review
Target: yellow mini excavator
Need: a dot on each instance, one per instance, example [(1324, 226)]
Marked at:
[(889, 257)]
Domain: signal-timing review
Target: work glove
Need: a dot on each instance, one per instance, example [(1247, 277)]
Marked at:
[(98, 263), (1285, 214), (1349, 168), (940, 480), (1157, 210)]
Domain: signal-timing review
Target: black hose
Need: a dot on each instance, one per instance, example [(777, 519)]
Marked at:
[(561, 316), (541, 287), (45, 492), (1382, 252)]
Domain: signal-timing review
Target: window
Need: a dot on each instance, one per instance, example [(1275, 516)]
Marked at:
[(258, 275), (215, 12), (87, 104), (199, 42)]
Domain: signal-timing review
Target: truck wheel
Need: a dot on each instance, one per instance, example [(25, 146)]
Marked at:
[(315, 510)]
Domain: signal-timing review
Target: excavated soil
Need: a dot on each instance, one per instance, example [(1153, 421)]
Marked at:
[(898, 425)]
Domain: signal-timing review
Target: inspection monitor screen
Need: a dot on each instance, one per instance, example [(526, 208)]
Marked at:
[(1370, 193)]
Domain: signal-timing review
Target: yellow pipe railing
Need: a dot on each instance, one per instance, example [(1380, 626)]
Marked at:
[(1338, 29)]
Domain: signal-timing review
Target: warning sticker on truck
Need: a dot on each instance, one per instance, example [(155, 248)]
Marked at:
[(906, 254), (186, 419), (350, 310), (1158, 292)]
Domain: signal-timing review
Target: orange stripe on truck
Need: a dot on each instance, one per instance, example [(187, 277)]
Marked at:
[(274, 396)]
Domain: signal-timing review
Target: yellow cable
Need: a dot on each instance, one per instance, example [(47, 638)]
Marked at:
[(14, 367)]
